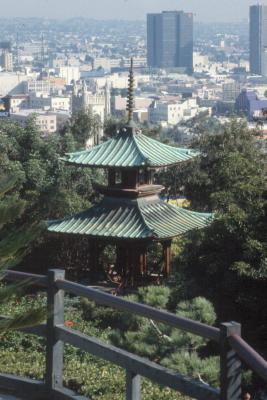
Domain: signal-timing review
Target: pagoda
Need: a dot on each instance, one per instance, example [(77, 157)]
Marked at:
[(131, 214)]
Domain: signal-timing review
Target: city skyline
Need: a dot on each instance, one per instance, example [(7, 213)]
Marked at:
[(229, 10)]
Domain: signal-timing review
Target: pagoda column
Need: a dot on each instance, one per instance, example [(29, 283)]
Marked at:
[(143, 261), (167, 257), (111, 177), (139, 257), (131, 261), (94, 258), (121, 259)]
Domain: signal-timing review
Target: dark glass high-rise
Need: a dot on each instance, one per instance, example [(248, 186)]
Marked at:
[(258, 40), (170, 40)]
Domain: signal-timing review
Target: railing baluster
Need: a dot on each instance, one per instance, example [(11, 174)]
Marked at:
[(54, 347), (230, 365), (133, 386)]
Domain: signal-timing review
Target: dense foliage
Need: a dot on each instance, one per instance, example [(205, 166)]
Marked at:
[(49, 188), (13, 243), (227, 262), (163, 344), (24, 355)]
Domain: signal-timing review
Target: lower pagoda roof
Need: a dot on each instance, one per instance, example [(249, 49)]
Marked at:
[(143, 218)]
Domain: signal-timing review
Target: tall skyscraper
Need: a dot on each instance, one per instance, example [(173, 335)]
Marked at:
[(258, 40), (170, 40)]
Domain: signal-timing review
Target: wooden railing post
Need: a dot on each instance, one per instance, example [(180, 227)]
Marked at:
[(230, 364), (54, 347), (133, 386)]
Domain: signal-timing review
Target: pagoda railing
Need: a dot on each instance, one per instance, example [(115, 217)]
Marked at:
[(232, 347)]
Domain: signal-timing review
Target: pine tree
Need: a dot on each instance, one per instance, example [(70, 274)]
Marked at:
[(160, 343), (13, 243), (226, 263)]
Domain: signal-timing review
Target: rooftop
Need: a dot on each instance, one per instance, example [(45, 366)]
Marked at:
[(131, 149), (143, 218)]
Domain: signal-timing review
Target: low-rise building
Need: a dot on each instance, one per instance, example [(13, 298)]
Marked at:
[(250, 105), (119, 103), (7, 60), (17, 101), (37, 86), (49, 102), (230, 91), (172, 113), (46, 122), (70, 74)]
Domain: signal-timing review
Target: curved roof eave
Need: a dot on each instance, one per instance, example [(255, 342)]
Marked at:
[(130, 150), (142, 220)]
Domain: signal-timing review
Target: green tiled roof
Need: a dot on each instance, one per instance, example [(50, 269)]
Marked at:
[(144, 218), (130, 149)]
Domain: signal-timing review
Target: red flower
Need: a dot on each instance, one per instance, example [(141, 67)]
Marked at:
[(68, 323)]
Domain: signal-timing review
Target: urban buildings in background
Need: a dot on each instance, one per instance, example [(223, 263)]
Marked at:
[(6, 56), (170, 40), (53, 69), (258, 39), (7, 60)]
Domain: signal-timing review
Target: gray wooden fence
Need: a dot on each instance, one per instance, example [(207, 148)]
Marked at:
[(233, 348)]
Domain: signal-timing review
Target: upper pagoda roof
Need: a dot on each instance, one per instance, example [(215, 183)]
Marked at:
[(144, 218), (131, 149)]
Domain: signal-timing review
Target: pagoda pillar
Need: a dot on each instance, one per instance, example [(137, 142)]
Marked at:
[(167, 258), (131, 261), (111, 177), (94, 258), (121, 260), (143, 261)]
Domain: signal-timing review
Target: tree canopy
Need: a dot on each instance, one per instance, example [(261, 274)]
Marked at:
[(13, 244), (46, 186), (227, 261)]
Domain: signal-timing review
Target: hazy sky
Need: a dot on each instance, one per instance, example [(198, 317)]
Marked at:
[(205, 10)]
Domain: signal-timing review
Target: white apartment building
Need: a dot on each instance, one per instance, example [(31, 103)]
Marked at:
[(7, 61), (171, 113), (37, 86), (46, 122), (17, 102), (69, 73), (12, 83), (49, 102), (200, 61), (118, 104), (120, 81)]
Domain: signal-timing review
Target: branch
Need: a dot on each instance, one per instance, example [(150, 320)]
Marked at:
[(161, 335)]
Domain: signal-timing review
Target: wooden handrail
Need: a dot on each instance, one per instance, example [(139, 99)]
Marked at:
[(197, 328), (138, 365), (249, 356), (232, 347), (40, 280)]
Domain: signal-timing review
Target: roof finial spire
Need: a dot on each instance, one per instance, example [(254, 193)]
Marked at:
[(130, 100)]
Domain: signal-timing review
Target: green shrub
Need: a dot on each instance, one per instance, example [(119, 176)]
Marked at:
[(24, 355)]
